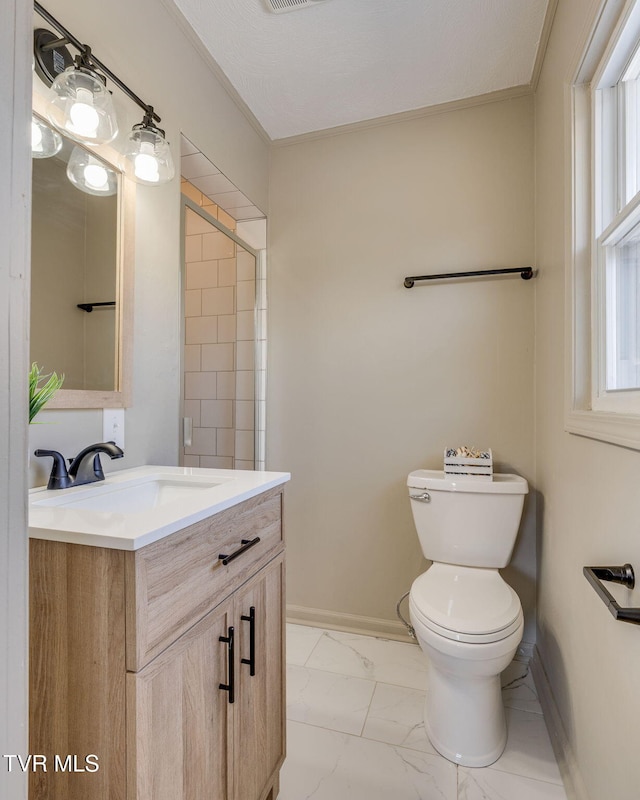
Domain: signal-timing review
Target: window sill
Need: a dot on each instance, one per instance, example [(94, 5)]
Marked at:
[(618, 429)]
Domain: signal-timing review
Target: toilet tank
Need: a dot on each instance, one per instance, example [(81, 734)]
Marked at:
[(472, 522)]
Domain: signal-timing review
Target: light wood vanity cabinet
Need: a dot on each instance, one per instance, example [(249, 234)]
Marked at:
[(131, 653), (191, 741)]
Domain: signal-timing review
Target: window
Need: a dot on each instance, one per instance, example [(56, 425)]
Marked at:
[(604, 330), (616, 254)]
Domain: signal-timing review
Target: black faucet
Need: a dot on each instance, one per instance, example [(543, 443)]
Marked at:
[(59, 478), (84, 468)]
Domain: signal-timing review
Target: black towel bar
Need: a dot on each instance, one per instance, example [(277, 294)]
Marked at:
[(623, 575), (526, 273), (88, 307)]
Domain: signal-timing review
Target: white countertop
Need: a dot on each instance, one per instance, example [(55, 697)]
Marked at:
[(58, 515)]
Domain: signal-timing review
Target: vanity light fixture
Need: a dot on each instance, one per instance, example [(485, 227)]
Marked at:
[(81, 107), (80, 104), (147, 153), (90, 174), (45, 142)]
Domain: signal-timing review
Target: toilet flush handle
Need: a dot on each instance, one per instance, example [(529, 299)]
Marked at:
[(423, 497)]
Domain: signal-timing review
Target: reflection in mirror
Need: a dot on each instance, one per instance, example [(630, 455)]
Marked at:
[(75, 313)]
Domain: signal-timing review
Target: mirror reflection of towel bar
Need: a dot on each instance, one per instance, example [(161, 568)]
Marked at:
[(623, 575), (88, 307)]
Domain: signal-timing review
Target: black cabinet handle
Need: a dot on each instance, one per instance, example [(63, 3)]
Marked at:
[(246, 544), (229, 687), (623, 575), (251, 661)]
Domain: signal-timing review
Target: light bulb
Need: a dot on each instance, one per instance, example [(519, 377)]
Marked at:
[(89, 174), (146, 164), (36, 136), (147, 155), (83, 116), (81, 106), (96, 176), (45, 142)]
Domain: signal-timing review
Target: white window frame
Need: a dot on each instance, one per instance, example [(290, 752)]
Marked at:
[(589, 410), (604, 295)]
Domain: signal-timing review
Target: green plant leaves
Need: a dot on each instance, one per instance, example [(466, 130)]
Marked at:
[(39, 396)]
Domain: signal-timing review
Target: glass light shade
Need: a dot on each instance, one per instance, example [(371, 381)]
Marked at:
[(45, 142), (148, 157), (90, 174), (80, 105)]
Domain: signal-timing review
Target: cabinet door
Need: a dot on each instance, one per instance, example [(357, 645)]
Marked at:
[(179, 717), (259, 712), (77, 671)]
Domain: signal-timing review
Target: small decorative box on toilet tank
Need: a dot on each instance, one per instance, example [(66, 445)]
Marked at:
[(468, 462)]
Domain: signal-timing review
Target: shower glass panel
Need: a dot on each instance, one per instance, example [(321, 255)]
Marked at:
[(219, 363)]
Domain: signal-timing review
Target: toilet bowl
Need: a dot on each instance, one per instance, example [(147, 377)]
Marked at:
[(467, 619), (464, 717)]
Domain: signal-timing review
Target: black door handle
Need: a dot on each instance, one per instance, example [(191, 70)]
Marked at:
[(231, 686), (251, 661), (246, 544)]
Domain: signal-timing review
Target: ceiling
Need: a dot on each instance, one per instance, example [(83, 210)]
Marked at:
[(343, 61)]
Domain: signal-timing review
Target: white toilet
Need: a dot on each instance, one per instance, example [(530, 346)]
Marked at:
[(468, 621)]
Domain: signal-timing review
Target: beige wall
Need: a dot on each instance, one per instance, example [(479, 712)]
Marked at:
[(170, 73), (590, 501), (368, 380)]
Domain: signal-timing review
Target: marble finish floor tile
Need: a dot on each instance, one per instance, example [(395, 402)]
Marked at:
[(396, 663), (301, 639), (356, 730), (326, 765), (518, 688), (528, 751), (327, 699), (396, 716), (489, 784)]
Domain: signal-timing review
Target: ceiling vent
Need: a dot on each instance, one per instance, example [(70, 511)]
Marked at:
[(282, 6)]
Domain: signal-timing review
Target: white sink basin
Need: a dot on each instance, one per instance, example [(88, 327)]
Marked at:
[(131, 498), (134, 507)]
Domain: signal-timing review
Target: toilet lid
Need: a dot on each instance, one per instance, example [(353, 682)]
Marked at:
[(437, 480), (465, 600)]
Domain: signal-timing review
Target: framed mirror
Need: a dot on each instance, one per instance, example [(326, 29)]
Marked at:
[(81, 272)]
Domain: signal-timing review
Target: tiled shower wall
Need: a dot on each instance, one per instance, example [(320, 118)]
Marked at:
[(220, 334)]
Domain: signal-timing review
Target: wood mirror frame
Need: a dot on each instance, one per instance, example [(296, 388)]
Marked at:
[(121, 396)]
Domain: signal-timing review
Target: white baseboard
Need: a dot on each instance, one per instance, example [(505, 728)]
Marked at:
[(525, 651), (573, 783), (368, 626), (351, 623)]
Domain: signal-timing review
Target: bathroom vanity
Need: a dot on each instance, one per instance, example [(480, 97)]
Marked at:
[(157, 655)]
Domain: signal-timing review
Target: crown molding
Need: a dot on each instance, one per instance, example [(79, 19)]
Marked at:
[(545, 35), (405, 116)]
